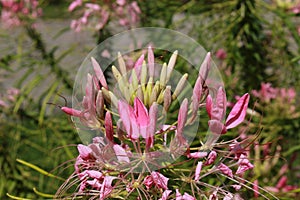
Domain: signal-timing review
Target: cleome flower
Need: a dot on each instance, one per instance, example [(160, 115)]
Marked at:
[(143, 148)]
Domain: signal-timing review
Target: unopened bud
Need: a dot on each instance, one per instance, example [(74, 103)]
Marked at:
[(167, 98), (163, 75), (179, 86), (171, 65), (122, 64)]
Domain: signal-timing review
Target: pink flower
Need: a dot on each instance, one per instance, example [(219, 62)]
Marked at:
[(165, 195), (225, 170), (106, 187), (211, 158), (266, 93), (84, 151), (282, 182), (238, 112), (185, 196), (244, 164), (15, 13), (3, 104), (121, 2), (221, 54), (216, 112), (137, 121), (228, 196), (236, 187), (156, 179), (74, 4)]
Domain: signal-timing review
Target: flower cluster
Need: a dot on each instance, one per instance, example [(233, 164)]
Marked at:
[(285, 98), (139, 154), (96, 16), (14, 12)]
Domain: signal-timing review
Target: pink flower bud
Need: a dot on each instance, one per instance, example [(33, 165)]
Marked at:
[(71, 111), (151, 61), (221, 54), (282, 182), (238, 112), (205, 67), (197, 172), (109, 131), (99, 74)]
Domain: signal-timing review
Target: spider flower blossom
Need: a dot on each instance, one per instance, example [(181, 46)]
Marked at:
[(129, 152)]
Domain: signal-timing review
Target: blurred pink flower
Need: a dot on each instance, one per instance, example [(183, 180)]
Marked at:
[(96, 16), (221, 54), (15, 13)]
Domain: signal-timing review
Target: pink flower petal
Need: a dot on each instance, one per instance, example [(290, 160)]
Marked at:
[(152, 125), (150, 61), (182, 116), (197, 94), (225, 170), (238, 112), (244, 164), (219, 108), (160, 180), (121, 154), (211, 158), (209, 105), (71, 111), (198, 170), (138, 66), (205, 67), (74, 4), (94, 174), (141, 112), (99, 73), (282, 182), (84, 151), (124, 111), (197, 155), (165, 195), (216, 127)]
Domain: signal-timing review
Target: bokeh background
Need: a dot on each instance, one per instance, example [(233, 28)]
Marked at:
[(255, 43)]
